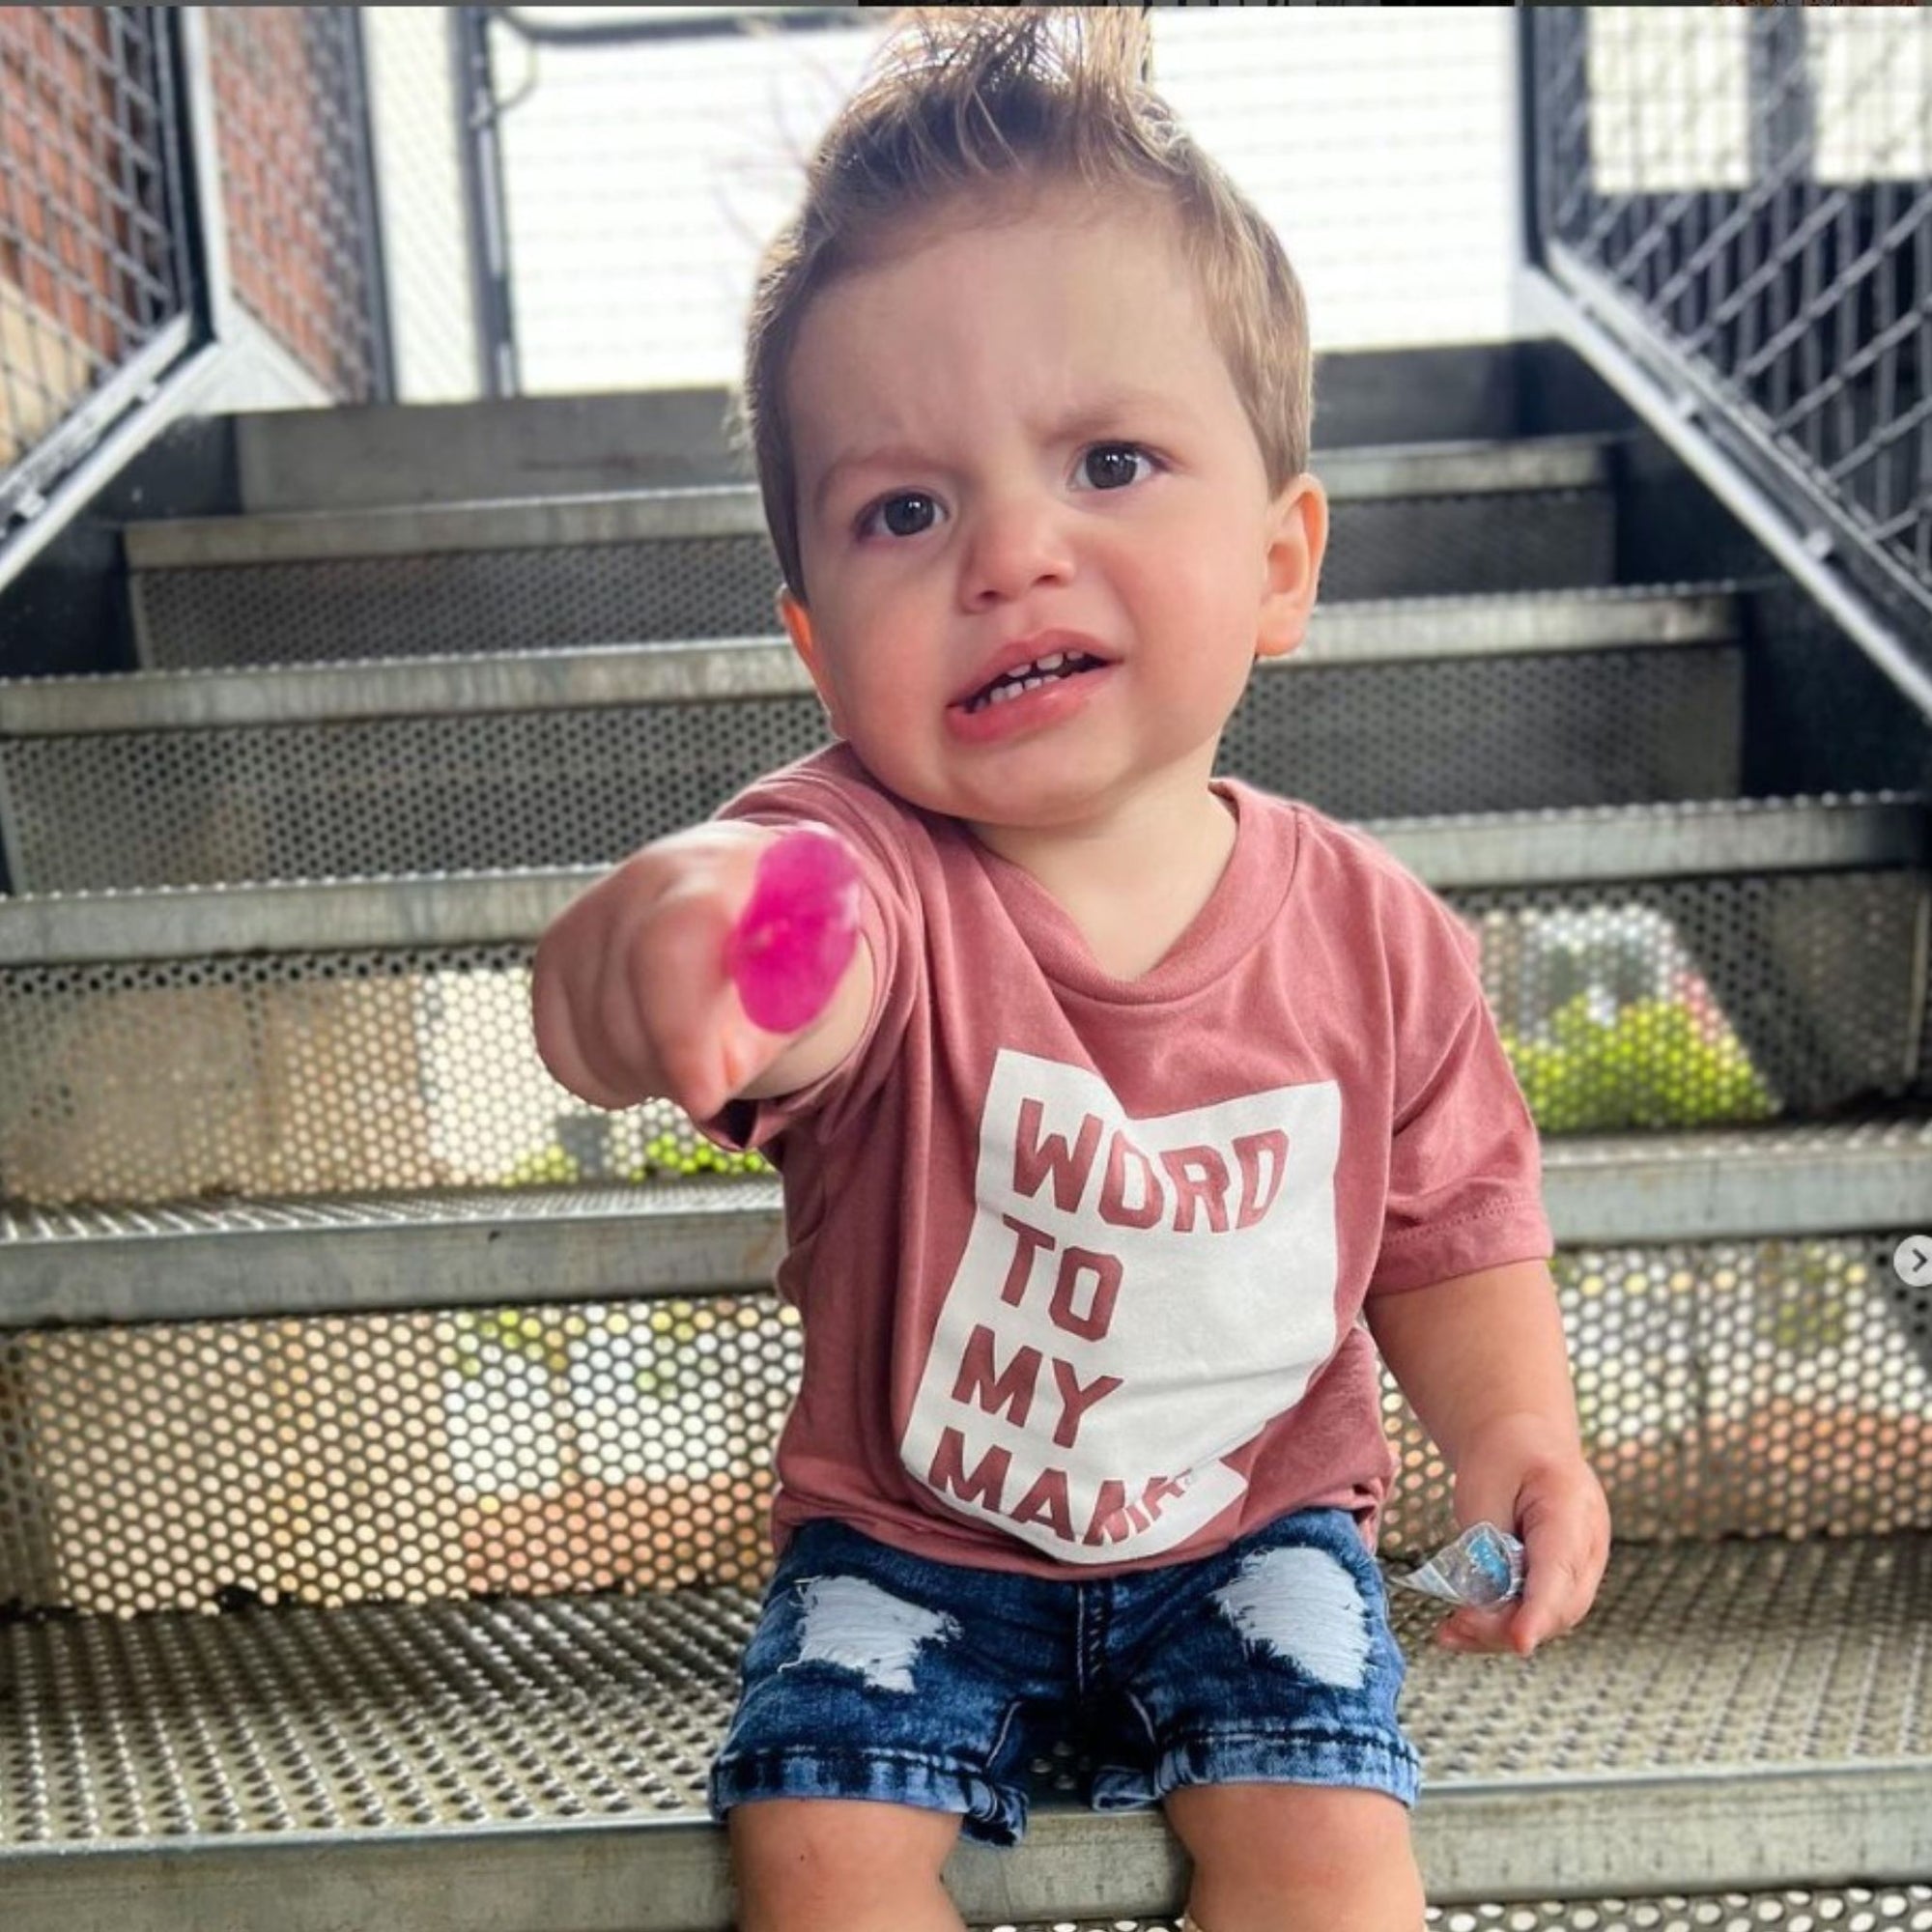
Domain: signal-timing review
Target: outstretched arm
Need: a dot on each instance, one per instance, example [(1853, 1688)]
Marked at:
[(633, 995)]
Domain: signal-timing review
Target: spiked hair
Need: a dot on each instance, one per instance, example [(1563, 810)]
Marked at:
[(966, 115)]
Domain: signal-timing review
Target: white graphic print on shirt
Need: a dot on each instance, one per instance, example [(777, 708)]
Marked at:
[(1137, 1300)]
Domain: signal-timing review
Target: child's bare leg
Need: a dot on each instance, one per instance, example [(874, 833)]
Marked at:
[(1297, 1858), (841, 1864)]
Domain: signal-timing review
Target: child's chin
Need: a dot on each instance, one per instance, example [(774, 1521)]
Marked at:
[(917, 788)]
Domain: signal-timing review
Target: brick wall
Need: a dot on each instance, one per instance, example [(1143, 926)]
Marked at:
[(85, 269), (290, 146)]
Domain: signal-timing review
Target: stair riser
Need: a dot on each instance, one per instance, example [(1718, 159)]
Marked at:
[(1737, 1388), (464, 602), (485, 790), (1680, 1003)]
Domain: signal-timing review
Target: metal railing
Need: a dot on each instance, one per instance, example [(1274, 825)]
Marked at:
[(1741, 200), (631, 162), (165, 173), (95, 255)]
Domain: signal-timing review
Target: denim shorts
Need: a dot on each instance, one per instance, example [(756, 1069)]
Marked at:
[(877, 1674)]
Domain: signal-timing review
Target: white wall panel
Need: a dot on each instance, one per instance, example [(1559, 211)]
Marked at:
[(643, 180)]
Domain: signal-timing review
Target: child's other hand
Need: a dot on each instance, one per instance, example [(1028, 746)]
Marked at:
[(1527, 1476), (629, 989)]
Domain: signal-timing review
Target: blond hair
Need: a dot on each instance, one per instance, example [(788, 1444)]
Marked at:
[(963, 115)]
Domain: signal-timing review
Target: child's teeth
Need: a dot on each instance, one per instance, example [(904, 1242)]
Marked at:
[(1043, 673)]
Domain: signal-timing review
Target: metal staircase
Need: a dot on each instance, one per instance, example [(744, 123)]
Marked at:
[(384, 1435)]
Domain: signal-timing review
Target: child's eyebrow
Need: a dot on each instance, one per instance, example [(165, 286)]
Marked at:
[(1095, 414), (888, 456)]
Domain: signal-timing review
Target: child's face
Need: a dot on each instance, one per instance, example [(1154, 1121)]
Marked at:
[(1010, 432)]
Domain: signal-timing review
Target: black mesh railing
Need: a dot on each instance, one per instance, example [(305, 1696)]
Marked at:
[(119, 258), (1743, 197), (93, 257)]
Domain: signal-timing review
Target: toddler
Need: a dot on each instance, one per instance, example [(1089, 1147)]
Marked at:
[(1149, 1105)]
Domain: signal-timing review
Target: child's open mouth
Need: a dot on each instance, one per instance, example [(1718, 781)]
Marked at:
[(1012, 685)]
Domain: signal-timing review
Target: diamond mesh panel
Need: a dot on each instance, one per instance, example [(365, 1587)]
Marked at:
[(498, 789), (1701, 1003), (1765, 1388), (723, 586), (91, 242), (1754, 185)]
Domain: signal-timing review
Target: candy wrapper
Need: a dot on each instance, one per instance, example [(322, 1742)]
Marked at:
[(1481, 1569), (794, 939)]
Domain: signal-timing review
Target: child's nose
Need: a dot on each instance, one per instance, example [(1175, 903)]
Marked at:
[(1012, 545)]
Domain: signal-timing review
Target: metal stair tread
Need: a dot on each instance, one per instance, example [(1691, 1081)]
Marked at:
[(1567, 845), (415, 1738), (1870, 1908), (733, 509), (213, 1260), (1359, 632)]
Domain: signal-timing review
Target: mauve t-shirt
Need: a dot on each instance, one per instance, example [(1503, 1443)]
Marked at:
[(1081, 1261)]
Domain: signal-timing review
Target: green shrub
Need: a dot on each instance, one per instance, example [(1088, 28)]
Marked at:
[(666, 1154), (1649, 1068)]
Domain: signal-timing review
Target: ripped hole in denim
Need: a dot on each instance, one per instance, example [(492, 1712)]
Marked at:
[(1304, 1607), (856, 1626)]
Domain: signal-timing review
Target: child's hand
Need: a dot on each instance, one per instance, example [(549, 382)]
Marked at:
[(1527, 1476), (631, 989)]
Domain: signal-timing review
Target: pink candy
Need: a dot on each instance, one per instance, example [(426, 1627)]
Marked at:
[(794, 939)]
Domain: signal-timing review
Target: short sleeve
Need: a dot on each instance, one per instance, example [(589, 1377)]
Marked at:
[(1466, 1171), (807, 794)]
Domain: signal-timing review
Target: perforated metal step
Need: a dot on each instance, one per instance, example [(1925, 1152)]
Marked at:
[(1734, 1713), (1840, 1909), (211, 1260), (489, 1435), (571, 757), (1718, 965), (1858, 831), (696, 563)]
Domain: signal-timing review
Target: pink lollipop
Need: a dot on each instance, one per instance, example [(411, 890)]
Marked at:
[(795, 936)]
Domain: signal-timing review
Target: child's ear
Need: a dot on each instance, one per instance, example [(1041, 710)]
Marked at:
[(1297, 539), (797, 620)]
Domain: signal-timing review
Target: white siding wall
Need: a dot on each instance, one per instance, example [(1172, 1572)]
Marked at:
[(419, 190), (1670, 105), (642, 181)]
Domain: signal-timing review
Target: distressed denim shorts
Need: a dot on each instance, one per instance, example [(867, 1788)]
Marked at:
[(877, 1674)]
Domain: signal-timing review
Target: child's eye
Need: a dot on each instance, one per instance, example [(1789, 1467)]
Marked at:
[(1110, 465), (905, 514)]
